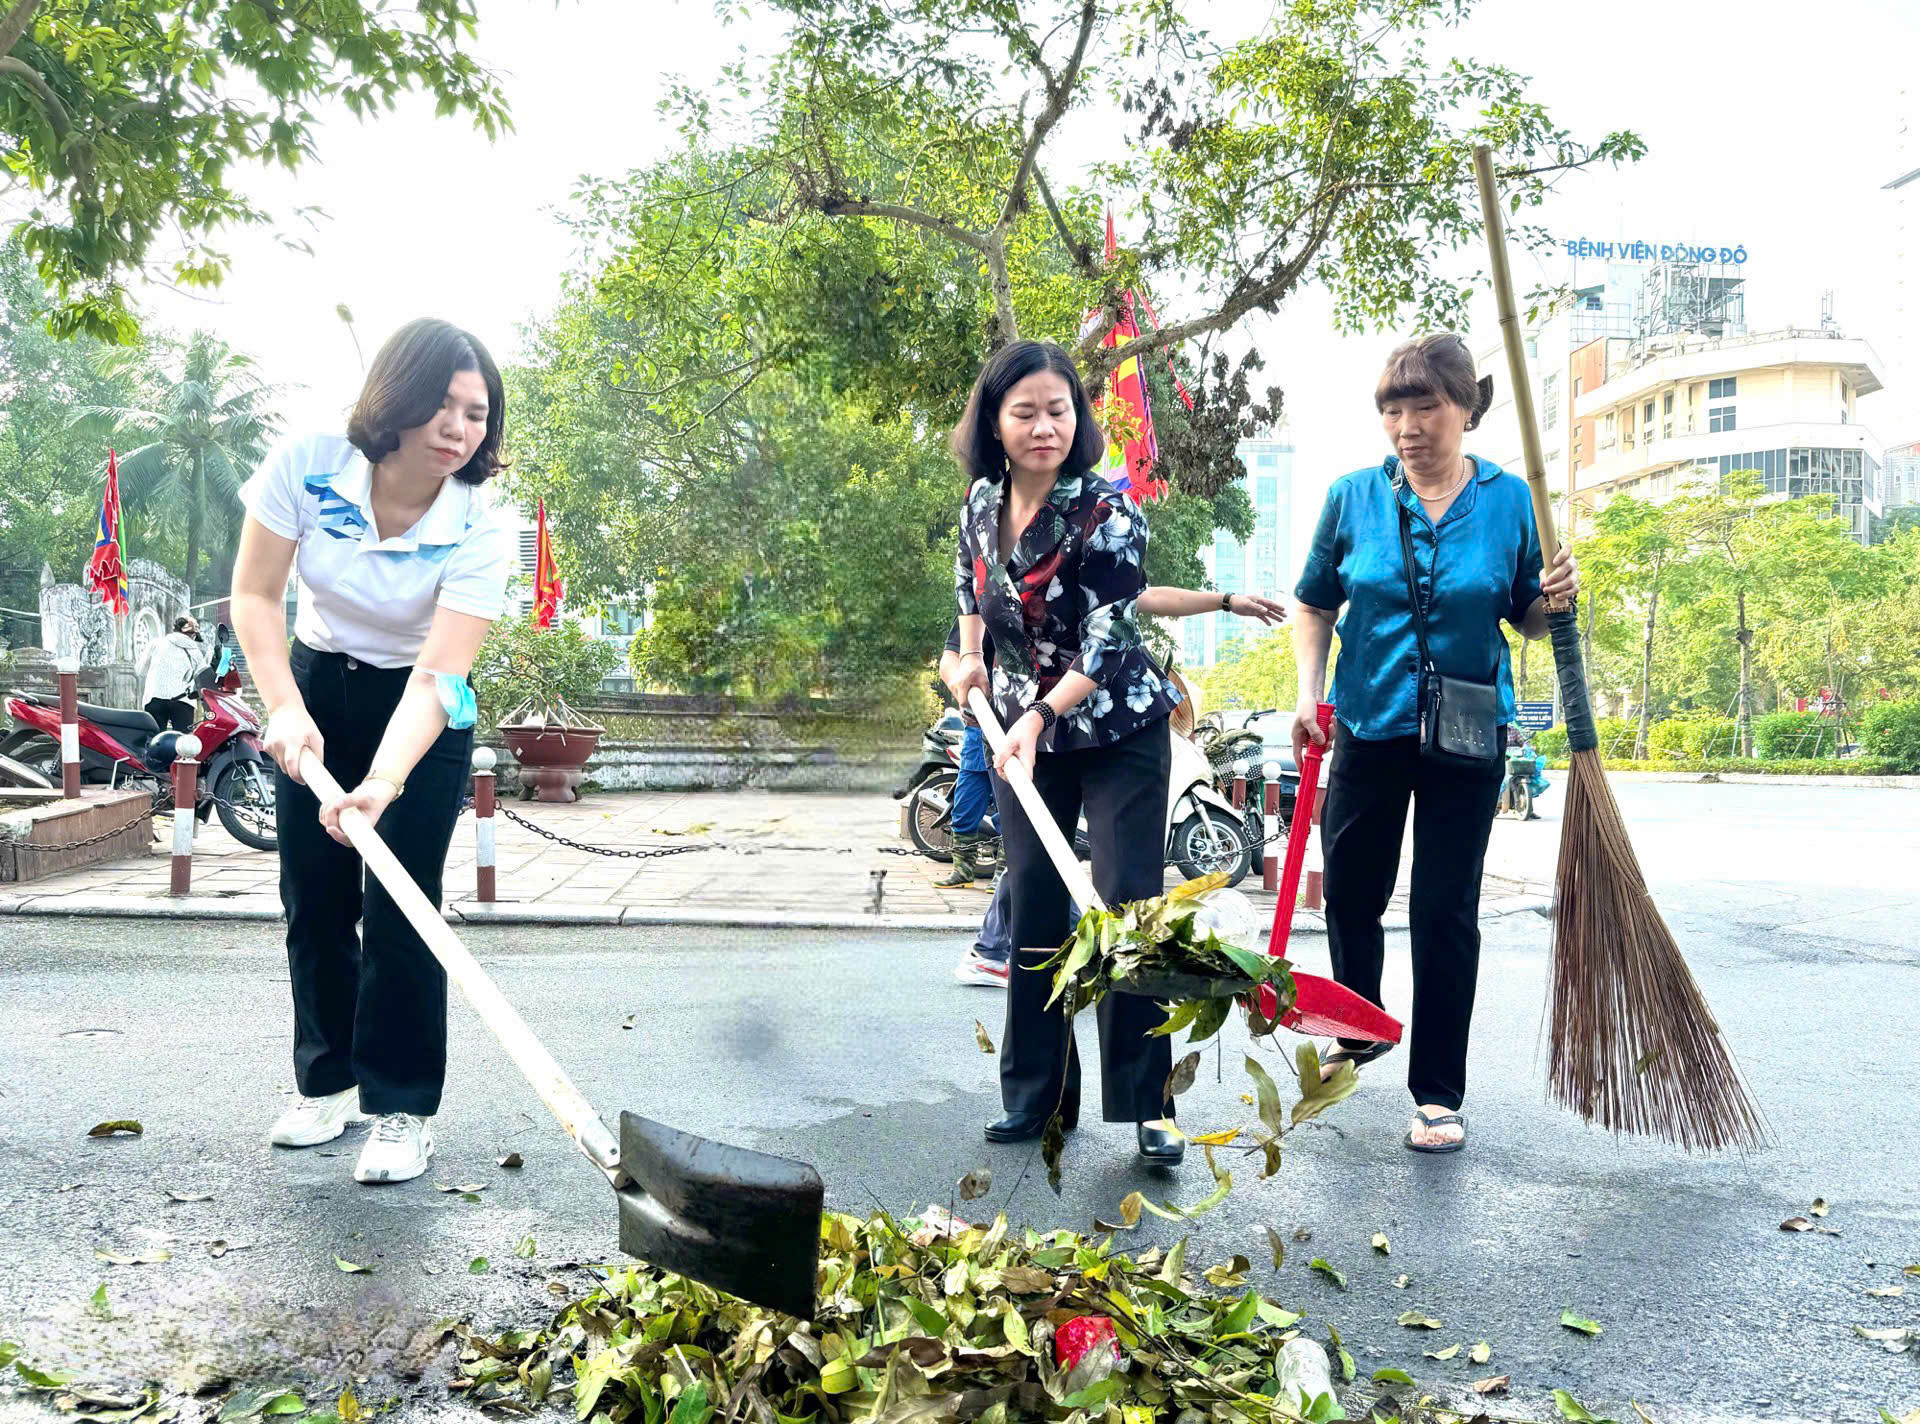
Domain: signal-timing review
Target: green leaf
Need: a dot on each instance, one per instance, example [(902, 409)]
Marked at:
[(118, 1127), (1176, 1262), (927, 1318), (1213, 1013), (288, 1403), (525, 1249), (1414, 1320), (477, 1266), (1392, 1376), (1343, 1360), (981, 1037), (692, 1406), (1266, 1095), (1239, 1320), (42, 1379), (1573, 1409), (1315, 1096), (1319, 1265), (9, 1352), (1095, 1394), (97, 1303), (1178, 1017), (1580, 1323), (349, 1268)]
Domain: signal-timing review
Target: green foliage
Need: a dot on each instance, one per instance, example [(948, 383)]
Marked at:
[(123, 122), (521, 663), (1892, 730), (1791, 736), (1552, 743), (1617, 735), (1692, 737), (1806, 766)]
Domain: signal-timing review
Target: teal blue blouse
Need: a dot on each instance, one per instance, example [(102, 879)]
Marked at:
[(1480, 565)]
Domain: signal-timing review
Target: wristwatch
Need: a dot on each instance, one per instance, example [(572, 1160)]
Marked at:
[(1226, 603), (1047, 715)]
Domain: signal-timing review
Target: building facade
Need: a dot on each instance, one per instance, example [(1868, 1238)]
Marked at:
[(1263, 564)]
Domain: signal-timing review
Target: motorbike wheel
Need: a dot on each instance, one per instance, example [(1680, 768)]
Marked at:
[(36, 751), (1199, 854), (930, 817), (243, 797)]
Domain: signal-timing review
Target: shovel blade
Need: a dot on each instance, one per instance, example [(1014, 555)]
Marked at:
[(747, 1223)]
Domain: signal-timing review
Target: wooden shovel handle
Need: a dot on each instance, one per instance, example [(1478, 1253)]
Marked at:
[(1516, 352), (1059, 849), (529, 1055)]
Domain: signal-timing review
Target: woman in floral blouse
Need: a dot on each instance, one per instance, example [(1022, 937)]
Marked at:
[(1050, 565)]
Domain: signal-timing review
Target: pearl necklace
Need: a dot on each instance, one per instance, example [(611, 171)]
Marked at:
[(1466, 468)]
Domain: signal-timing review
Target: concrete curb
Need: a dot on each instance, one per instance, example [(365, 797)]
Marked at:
[(1753, 778), (260, 908)]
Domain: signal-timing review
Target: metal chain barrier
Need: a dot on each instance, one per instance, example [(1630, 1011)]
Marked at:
[(617, 853), (162, 801)]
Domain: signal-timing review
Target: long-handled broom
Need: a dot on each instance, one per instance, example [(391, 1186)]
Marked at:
[(1632, 1043)]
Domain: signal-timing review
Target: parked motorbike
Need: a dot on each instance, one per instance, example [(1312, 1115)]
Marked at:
[(122, 746), (1242, 753), (939, 751)]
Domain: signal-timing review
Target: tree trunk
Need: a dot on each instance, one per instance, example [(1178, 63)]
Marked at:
[(1646, 678), (196, 509), (1744, 713), (1006, 327)]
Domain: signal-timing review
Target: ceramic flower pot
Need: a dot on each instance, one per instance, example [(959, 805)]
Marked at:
[(551, 758)]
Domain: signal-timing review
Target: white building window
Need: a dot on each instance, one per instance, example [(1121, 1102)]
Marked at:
[(1723, 388), (1720, 417), (1550, 400)]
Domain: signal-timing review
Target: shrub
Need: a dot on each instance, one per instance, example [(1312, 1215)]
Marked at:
[(1552, 743), (1617, 736), (1892, 730), (1788, 736), (521, 664), (1712, 737), (1667, 741)]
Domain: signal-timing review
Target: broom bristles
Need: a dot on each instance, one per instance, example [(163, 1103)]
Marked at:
[(1634, 1046)]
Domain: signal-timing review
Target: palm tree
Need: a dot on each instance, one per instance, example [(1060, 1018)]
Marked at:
[(200, 434)]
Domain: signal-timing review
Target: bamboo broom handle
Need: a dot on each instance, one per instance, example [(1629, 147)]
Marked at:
[(1516, 355), (1065, 863)]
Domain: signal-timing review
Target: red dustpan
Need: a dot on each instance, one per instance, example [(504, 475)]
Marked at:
[(1321, 1005)]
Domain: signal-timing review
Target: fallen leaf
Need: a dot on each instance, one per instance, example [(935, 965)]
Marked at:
[(120, 1126), (1492, 1384), (1571, 1408), (348, 1407), (1340, 1353), (1300, 1233), (627, 1022), (1392, 1376), (351, 1269), (1380, 1243), (981, 1037), (1819, 1207), (1897, 1339), (1053, 1145), (97, 1305), (1402, 1282), (1886, 1290), (1580, 1323), (525, 1249), (70, 1187), (1279, 1248), (1182, 1076), (1796, 1223), (152, 1257), (976, 1184), (1232, 1273), (1319, 1264), (1480, 1353), (511, 1161), (430, 1270), (477, 1266), (1247, 1098), (1414, 1320), (172, 1195), (1215, 1139), (1910, 1270), (1446, 1354)]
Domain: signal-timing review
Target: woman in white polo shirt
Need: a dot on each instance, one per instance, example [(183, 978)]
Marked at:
[(402, 569)]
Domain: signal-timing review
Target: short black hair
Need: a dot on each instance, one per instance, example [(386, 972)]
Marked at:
[(407, 384), (976, 439), (1436, 365), (180, 623)]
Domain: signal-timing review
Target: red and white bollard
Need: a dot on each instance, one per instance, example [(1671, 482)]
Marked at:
[(1270, 827), (483, 851), (186, 795), (1316, 860), (69, 675)]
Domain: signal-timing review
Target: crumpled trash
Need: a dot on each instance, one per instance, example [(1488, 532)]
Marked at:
[(1230, 915)]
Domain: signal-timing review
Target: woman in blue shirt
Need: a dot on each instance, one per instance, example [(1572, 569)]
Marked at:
[(1476, 558)]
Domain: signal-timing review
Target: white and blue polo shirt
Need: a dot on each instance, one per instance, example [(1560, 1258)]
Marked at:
[(371, 598)]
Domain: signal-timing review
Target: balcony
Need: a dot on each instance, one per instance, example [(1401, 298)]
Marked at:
[(1650, 369), (1645, 457)]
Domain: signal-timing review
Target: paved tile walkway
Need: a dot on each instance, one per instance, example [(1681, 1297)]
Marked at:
[(774, 855)]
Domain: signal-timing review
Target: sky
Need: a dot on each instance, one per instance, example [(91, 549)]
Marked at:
[(1769, 124)]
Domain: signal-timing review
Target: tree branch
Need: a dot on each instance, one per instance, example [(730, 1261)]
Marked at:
[(838, 206), (1081, 254), (50, 104), (1058, 94), (15, 24)]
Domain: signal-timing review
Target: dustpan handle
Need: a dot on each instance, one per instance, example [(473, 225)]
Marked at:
[(529, 1055), (1059, 851)]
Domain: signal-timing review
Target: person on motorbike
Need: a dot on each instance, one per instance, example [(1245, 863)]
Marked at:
[(167, 669), (986, 961), (402, 570)]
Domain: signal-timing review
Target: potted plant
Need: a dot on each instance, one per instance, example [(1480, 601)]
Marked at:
[(528, 678)]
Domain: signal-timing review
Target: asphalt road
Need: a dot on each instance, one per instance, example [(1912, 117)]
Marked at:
[(857, 1052)]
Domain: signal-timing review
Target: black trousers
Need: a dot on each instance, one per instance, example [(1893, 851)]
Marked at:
[(369, 998), (1124, 788), (173, 714), (1362, 825)]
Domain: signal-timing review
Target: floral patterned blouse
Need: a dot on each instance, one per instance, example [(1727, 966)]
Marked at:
[(1064, 603)]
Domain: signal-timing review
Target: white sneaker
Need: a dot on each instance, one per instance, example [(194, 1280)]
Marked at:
[(975, 968), (397, 1149), (312, 1121)]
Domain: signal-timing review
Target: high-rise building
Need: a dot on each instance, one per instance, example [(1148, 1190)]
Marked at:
[(1263, 564)]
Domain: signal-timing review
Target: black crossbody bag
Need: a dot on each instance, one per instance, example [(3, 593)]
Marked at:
[(1458, 717)]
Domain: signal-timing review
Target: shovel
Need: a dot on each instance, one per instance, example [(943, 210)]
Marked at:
[(1323, 1005), (743, 1222)]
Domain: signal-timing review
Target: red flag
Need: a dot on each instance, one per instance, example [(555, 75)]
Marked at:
[(106, 574), (548, 587), (1130, 466)]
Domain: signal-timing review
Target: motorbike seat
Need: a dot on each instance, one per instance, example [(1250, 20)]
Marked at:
[(129, 718)]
